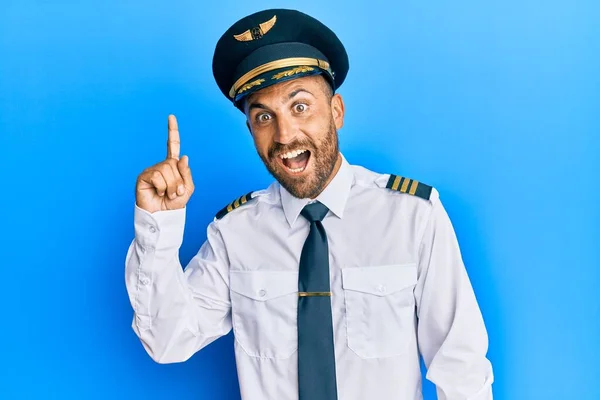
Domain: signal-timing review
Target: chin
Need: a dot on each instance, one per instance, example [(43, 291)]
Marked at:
[(304, 185)]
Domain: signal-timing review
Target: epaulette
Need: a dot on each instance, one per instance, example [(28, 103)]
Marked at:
[(233, 205), (410, 186)]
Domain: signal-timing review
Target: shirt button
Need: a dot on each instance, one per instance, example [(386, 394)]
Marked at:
[(381, 288), (144, 280), (262, 292), (152, 229)]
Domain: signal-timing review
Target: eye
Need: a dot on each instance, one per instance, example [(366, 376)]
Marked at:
[(263, 117), (300, 107)]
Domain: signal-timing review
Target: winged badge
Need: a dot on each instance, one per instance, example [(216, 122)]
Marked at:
[(257, 32)]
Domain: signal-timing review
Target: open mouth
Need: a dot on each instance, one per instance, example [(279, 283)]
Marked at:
[(295, 161)]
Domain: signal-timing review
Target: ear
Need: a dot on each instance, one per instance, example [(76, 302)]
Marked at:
[(337, 110)]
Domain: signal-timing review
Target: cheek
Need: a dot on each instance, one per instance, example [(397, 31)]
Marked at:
[(317, 131), (262, 142)]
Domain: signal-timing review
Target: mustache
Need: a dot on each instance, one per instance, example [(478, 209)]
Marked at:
[(278, 148)]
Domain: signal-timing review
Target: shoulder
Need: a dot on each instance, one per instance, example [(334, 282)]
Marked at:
[(247, 201), (396, 185), (235, 204), (409, 186)]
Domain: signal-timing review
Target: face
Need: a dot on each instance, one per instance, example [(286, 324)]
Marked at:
[(294, 125)]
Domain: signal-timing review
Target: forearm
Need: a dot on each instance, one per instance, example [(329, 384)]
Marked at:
[(455, 350), (452, 334), (170, 320)]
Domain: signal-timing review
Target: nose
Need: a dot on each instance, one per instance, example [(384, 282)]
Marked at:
[(285, 131)]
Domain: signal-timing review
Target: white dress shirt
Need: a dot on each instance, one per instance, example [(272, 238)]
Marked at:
[(398, 287)]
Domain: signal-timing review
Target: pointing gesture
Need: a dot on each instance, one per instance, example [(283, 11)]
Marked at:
[(167, 185), (173, 143)]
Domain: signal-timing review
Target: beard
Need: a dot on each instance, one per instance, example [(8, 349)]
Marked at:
[(324, 156)]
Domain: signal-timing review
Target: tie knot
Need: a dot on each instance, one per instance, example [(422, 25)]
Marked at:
[(314, 212)]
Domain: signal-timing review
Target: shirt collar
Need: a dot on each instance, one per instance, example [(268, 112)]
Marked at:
[(334, 196)]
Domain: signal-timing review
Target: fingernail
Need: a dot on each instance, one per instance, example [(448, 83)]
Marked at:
[(173, 195), (180, 190)]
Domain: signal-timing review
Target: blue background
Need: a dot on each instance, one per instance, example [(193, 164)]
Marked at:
[(496, 104)]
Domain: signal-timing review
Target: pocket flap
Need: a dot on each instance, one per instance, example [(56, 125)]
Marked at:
[(380, 280), (263, 285)]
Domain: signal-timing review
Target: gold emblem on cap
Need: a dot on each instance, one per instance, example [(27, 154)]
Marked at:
[(251, 85), (292, 71), (257, 32)]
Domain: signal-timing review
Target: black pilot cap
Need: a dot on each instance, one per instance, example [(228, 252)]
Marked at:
[(273, 46)]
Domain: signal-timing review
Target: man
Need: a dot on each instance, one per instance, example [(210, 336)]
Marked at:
[(334, 279)]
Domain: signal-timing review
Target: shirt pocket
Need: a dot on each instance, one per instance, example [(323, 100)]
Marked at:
[(264, 312), (380, 308)]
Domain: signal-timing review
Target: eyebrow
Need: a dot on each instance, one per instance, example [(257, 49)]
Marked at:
[(290, 96), (258, 105), (295, 92)]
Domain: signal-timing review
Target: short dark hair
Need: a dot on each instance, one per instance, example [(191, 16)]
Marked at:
[(326, 85)]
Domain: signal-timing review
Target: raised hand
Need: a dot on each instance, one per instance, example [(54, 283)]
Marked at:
[(167, 185)]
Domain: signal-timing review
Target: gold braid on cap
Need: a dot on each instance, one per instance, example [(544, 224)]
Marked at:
[(293, 71), (283, 63), (251, 85)]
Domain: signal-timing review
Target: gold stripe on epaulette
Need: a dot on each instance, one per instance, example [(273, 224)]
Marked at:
[(396, 183), (404, 185), (413, 187)]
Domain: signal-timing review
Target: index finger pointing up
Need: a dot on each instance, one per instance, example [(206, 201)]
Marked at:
[(173, 142)]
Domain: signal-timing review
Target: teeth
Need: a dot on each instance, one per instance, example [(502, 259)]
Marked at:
[(291, 154), (295, 169)]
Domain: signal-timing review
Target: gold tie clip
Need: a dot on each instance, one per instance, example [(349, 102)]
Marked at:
[(311, 294)]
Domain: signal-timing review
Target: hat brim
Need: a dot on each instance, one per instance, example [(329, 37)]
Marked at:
[(275, 76)]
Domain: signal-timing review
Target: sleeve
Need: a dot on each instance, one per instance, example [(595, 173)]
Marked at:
[(451, 332), (177, 312)]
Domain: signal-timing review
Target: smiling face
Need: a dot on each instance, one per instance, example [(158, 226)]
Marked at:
[(294, 125)]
